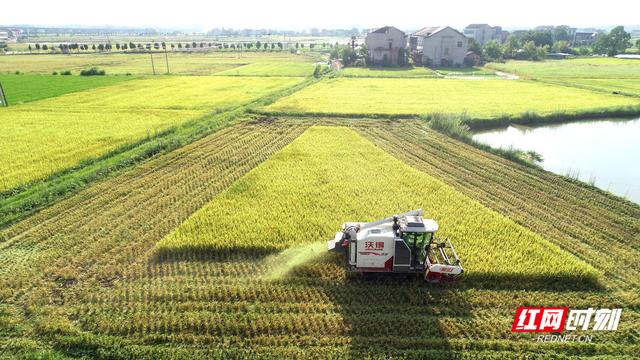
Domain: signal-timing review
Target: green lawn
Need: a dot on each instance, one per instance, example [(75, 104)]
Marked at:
[(26, 87), (46, 136), (588, 68), (477, 98)]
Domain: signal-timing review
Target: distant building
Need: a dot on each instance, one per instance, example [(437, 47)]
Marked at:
[(545, 28), (472, 58), (7, 34), (585, 38), (387, 46), (481, 33), (440, 46)]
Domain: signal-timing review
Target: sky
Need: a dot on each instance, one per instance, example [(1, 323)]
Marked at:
[(304, 14)]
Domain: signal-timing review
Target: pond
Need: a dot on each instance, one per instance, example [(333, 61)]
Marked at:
[(605, 153)]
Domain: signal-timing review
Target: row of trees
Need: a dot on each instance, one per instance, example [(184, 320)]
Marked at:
[(534, 45), (162, 45)]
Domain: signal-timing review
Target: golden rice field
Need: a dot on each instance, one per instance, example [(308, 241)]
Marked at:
[(300, 195), (500, 98), (579, 68), (271, 68), (215, 246), (103, 288), (43, 137), (140, 64)]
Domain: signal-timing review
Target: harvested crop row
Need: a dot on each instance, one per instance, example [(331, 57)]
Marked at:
[(98, 233), (224, 303)]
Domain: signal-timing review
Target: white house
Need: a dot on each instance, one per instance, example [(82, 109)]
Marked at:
[(387, 46), (481, 33), (440, 46)]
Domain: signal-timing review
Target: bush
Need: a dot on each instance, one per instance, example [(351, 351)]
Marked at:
[(54, 73), (66, 72), (94, 71)]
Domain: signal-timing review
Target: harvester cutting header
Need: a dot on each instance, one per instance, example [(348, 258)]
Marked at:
[(403, 243)]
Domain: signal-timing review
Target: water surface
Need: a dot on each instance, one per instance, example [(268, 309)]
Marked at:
[(603, 152)]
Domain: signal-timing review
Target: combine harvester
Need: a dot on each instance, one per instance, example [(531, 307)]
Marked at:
[(403, 244)]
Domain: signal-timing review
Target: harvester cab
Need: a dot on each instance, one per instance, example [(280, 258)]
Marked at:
[(403, 243)]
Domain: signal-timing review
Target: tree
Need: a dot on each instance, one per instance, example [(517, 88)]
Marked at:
[(29, 47), (637, 44), (475, 46), (511, 47), (37, 46), (93, 47), (492, 51), (117, 46), (344, 53), (613, 43), (533, 52), (132, 45), (561, 33), (562, 47), (100, 47), (45, 47)]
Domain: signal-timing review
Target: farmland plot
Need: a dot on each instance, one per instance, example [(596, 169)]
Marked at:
[(50, 135), (400, 72), (25, 88), (593, 225), (603, 74), (581, 68), (99, 288), (500, 98), (140, 64), (272, 69), (303, 194)]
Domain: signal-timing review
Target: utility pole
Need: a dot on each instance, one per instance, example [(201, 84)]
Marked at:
[(153, 67), (3, 97), (166, 58)]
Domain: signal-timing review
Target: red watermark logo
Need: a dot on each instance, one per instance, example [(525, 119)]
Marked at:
[(557, 319)]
